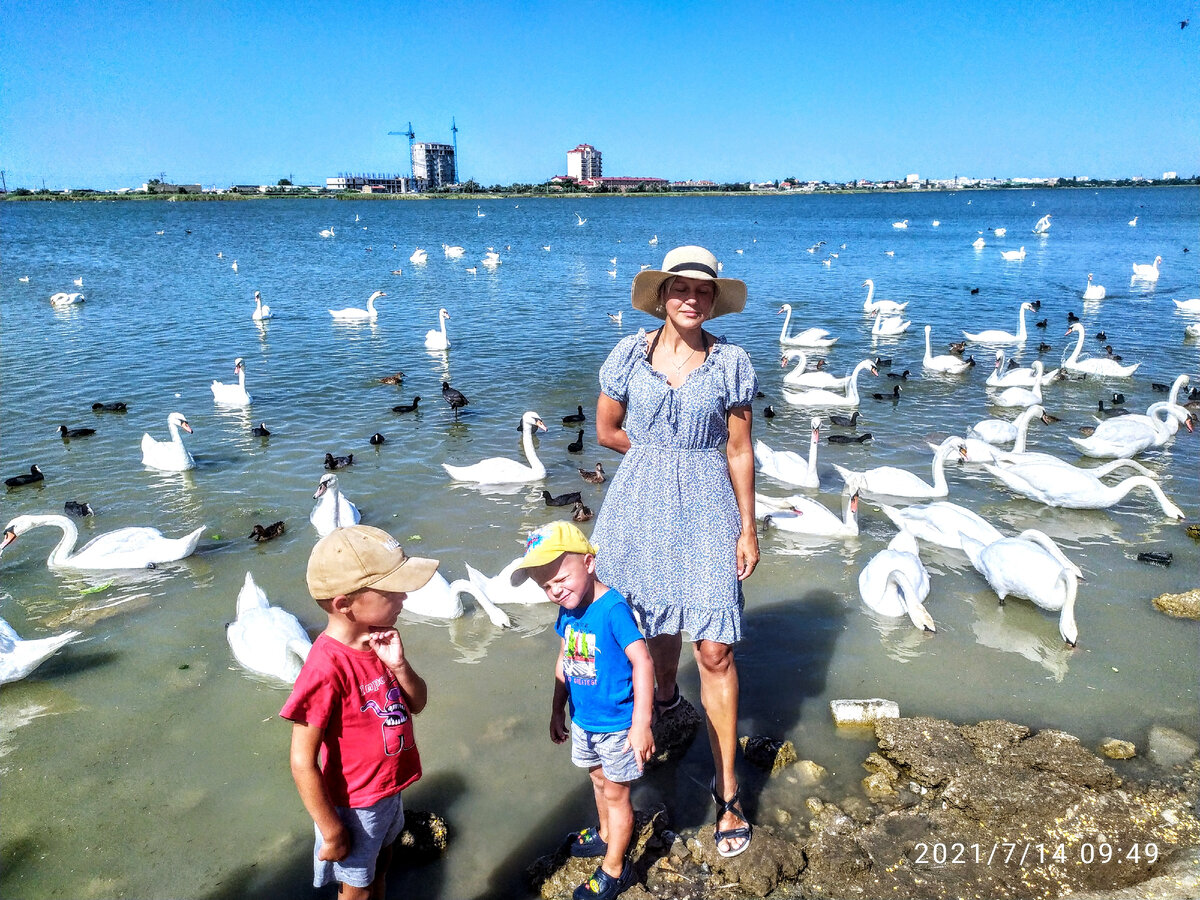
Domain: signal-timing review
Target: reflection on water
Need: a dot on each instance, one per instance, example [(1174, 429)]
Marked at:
[(531, 334)]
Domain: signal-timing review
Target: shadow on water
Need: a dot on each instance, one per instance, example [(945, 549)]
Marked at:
[(776, 675), (291, 875)]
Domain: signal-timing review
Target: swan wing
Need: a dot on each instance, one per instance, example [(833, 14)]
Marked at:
[(496, 470), (18, 657)]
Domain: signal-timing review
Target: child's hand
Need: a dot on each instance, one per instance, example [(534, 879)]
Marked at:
[(558, 726), (388, 647), (336, 846), (641, 742)]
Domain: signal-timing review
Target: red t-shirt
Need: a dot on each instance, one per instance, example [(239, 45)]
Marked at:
[(368, 750)]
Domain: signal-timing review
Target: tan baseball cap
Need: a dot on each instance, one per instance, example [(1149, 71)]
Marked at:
[(348, 559)]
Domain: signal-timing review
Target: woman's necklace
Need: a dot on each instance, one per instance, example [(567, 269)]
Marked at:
[(687, 359)]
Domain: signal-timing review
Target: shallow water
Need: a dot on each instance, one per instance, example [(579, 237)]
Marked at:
[(141, 761)]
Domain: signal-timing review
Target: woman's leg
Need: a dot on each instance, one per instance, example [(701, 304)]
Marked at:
[(664, 652), (719, 695)]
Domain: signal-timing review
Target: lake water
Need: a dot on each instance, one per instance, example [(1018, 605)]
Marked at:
[(142, 761)]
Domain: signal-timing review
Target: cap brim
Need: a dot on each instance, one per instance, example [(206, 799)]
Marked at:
[(411, 575)]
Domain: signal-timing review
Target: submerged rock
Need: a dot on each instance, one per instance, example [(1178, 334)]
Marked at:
[(1114, 748), (768, 754), (1181, 606), (1168, 747), (425, 836)]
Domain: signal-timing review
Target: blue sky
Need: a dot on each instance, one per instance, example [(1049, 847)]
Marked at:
[(111, 94)]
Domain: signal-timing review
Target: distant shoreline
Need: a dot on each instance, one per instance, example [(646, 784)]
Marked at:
[(237, 198)]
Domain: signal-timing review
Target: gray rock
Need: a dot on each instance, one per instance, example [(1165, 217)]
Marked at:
[(1114, 748), (1168, 747)]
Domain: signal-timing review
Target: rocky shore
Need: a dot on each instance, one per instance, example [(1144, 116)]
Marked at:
[(988, 810)]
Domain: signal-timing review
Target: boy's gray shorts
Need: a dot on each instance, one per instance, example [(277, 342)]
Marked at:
[(371, 829), (607, 750)]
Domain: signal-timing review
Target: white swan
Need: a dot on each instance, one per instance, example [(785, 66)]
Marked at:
[(1093, 291), (942, 523), (169, 456), (789, 466), (1013, 255), (1023, 567), (903, 224), (1074, 488), (892, 325), (1117, 438), (1192, 305), (821, 397), (1004, 375), (999, 232), (419, 257), (998, 431), (441, 599), (264, 638), (125, 548), (798, 377), (891, 481), (1043, 225), (803, 515), (499, 470), (1022, 396), (1192, 330), (491, 259), (995, 336), (872, 306), (328, 232), (262, 312), (62, 298), (1101, 366), (332, 509), (809, 337), (436, 339), (353, 314), (232, 394), (979, 243), (20, 657), (952, 365), (1143, 272), (501, 589), (894, 582), (452, 252)]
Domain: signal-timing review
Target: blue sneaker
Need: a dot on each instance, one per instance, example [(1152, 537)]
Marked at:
[(603, 886), (588, 843)]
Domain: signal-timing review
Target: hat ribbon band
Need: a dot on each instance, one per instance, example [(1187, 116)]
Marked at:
[(692, 267)]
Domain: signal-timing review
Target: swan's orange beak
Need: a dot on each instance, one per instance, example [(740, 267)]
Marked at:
[(9, 537), (186, 427)]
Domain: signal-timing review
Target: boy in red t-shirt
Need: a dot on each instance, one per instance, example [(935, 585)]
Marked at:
[(353, 750)]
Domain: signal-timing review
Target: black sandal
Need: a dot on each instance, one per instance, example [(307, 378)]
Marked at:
[(662, 706), (742, 832)]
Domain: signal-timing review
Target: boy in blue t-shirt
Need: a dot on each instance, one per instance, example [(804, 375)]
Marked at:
[(604, 670)]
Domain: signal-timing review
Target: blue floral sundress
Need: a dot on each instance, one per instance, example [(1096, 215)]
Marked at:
[(667, 532)]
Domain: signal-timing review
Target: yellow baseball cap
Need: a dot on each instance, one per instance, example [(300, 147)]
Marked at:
[(547, 544), (349, 559)]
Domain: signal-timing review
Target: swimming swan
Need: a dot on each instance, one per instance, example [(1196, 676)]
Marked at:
[(498, 470), (809, 337), (1127, 436), (1074, 488), (1192, 305), (1093, 291), (1094, 365), (262, 312), (125, 548), (332, 509), (264, 638), (803, 515), (894, 582), (169, 456), (798, 377), (942, 523), (820, 397), (995, 336), (1024, 568), (19, 657), (500, 589), (441, 599), (353, 314), (894, 482), (952, 365), (232, 394), (1021, 396), (419, 257), (1004, 375), (887, 307), (1143, 272), (892, 325), (452, 252), (788, 466), (998, 431), (436, 339), (1013, 255)]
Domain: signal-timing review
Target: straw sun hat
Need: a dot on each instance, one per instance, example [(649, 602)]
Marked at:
[(690, 262)]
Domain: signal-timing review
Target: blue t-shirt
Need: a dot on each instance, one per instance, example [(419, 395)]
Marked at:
[(598, 674)]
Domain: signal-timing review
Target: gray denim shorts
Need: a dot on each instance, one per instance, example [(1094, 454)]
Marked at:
[(607, 750), (371, 829)]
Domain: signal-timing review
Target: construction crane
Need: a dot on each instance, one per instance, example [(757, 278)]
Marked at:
[(454, 131), (411, 137)]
